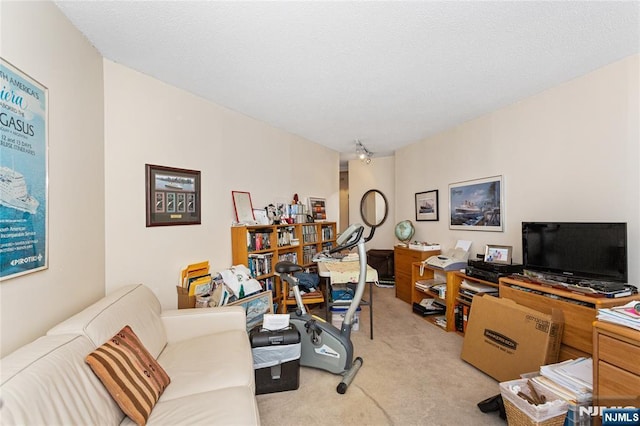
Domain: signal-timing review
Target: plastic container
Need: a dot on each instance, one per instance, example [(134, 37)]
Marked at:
[(337, 316), (522, 413)]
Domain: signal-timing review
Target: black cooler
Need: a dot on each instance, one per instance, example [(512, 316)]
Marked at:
[(276, 359)]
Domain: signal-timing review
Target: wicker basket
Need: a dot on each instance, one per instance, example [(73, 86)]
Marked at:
[(515, 417)]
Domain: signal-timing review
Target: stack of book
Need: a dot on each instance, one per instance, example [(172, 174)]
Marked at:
[(429, 307), (627, 315), (260, 264)]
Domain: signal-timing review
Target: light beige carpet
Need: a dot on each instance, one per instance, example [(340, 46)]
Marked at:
[(412, 375)]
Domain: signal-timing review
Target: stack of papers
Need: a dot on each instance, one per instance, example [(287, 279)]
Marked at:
[(627, 315), (571, 379)]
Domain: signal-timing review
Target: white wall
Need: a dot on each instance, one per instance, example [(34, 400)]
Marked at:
[(39, 40), (147, 121), (570, 153), (380, 175)]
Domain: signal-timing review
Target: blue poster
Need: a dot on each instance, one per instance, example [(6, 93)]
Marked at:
[(23, 173)]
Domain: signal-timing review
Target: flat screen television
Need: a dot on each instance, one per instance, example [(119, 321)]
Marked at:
[(576, 251)]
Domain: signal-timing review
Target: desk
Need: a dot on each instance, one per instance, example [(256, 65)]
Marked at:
[(346, 273)]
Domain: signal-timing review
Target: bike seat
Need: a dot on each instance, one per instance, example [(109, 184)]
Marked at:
[(287, 267)]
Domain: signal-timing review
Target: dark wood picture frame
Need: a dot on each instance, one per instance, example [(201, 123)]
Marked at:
[(172, 196), (427, 208)]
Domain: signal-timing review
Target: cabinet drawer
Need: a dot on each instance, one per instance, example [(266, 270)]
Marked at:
[(617, 387), (619, 353)]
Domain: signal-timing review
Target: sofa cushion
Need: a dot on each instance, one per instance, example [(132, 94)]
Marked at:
[(48, 382), (131, 375), (133, 305), (210, 362), (225, 407)]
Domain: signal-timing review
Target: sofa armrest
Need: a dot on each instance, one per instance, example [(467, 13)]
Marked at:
[(183, 324)]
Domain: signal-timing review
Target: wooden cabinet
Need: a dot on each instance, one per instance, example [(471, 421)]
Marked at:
[(579, 311), (419, 271), (616, 366), (403, 258), (463, 301), (260, 247)]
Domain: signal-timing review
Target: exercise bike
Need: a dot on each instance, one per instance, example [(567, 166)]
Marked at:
[(324, 346)]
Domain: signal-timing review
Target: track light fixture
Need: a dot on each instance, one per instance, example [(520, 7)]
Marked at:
[(363, 153)]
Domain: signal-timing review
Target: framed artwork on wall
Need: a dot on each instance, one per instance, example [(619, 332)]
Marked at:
[(318, 209), (173, 196), (477, 204), (427, 206), (24, 147)]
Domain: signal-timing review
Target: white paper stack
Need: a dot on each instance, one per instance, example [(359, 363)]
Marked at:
[(571, 379), (626, 315)]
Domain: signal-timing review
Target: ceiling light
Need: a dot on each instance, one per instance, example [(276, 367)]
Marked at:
[(363, 153)]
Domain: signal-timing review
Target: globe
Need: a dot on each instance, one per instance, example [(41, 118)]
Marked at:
[(404, 231)]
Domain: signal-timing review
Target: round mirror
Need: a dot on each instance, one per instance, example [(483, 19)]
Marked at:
[(373, 208)]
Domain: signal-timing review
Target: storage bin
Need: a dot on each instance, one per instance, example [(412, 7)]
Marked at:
[(276, 359), (342, 293), (521, 413), (337, 316)]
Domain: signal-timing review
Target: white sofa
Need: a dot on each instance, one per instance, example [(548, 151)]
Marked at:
[(205, 352)]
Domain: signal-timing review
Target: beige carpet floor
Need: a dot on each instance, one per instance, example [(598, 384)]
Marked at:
[(412, 375)]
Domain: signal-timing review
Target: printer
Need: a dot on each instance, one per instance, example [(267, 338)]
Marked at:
[(453, 259)]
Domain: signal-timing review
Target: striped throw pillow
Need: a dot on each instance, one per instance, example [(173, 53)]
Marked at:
[(132, 376)]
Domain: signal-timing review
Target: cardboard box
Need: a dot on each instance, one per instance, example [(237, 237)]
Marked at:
[(505, 339), (184, 300)]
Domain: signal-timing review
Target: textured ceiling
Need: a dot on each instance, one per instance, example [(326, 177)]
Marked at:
[(387, 73)]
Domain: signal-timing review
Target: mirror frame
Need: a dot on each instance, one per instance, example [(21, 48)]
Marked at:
[(386, 208)]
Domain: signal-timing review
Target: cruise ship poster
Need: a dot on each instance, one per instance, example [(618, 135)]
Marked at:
[(23, 173)]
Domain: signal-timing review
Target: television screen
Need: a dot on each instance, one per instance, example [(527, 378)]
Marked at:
[(576, 250)]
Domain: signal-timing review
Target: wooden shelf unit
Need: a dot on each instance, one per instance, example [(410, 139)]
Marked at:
[(403, 258), (450, 297), (307, 239), (579, 311), (463, 306)]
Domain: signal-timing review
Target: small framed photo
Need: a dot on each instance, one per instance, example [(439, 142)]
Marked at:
[(498, 254), (255, 307), (427, 205), (261, 216), (318, 209), (172, 196)]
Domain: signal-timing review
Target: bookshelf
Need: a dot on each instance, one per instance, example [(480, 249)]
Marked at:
[(260, 247), (464, 299), (447, 298)]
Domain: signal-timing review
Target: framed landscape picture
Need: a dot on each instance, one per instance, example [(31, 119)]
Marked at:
[(255, 307), (477, 204)]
